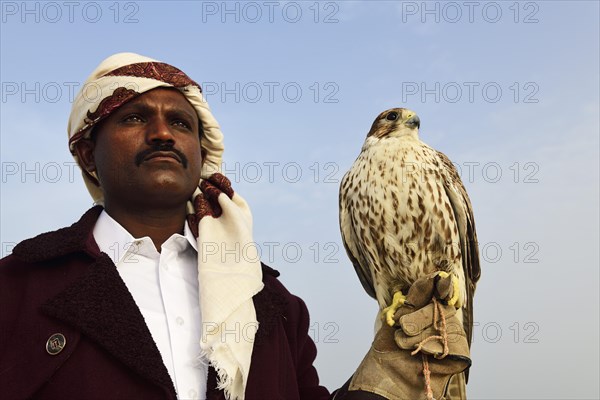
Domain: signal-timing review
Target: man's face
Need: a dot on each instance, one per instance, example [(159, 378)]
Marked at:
[(147, 151)]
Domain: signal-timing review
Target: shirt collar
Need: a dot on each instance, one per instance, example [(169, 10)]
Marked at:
[(114, 240), (187, 232)]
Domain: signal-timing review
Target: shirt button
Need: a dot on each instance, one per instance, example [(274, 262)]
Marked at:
[(192, 394), (179, 321)]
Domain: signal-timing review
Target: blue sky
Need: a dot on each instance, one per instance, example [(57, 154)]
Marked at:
[(509, 90)]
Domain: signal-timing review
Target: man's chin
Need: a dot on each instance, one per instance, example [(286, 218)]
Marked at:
[(165, 186)]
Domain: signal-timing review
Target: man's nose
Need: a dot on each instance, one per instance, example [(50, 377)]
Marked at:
[(159, 131)]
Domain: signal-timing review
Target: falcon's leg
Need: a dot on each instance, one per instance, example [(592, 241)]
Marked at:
[(398, 301), (455, 287)]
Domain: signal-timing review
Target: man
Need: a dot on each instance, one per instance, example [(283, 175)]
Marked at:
[(142, 298), (116, 306)]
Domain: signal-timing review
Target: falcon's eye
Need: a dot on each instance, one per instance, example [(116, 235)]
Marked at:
[(392, 116)]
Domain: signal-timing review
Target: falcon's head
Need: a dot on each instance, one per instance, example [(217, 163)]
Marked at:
[(395, 122)]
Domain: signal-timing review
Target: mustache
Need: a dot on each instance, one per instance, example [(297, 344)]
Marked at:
[(139, 158)]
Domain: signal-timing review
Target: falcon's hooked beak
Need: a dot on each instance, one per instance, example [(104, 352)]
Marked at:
[(413, 121)]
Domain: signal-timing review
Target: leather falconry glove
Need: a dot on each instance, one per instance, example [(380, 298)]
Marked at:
[(416, 358)]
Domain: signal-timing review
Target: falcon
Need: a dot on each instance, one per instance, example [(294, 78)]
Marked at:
[(404, 214)]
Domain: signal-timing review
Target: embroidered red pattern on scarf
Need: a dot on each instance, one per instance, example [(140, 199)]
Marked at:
[(120, 96), (155, 70), (206, 203)]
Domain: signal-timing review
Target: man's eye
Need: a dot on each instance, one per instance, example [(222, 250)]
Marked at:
[(132, 118), (182, 124)]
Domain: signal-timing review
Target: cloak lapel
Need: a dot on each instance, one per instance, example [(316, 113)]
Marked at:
[(100, 306), (98, 303)]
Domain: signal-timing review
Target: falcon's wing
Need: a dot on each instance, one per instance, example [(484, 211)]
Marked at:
[(352, 242), (463, 211)]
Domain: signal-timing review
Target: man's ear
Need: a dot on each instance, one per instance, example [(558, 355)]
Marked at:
[(203, 154), (84, 150)]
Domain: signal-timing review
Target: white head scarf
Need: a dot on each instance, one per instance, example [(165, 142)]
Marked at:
[(226, 284), (120, 78)]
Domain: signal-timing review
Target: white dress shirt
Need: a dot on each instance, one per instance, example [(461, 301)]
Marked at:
[(165, 288)]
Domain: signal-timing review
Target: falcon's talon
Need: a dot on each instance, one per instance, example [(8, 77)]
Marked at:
[(455, 287), (398, 301), (455, 291)]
